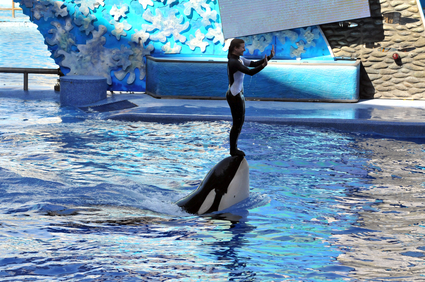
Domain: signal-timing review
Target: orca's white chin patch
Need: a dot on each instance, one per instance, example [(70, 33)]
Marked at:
[(238, 189), (209, 200), (226, 184)]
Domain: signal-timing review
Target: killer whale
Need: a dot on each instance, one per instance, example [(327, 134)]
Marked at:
[(226, 184)]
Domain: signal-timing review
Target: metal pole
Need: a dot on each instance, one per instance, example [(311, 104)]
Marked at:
[(25, 81), (13, 9)]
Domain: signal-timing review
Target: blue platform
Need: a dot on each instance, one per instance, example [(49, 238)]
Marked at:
[(285, 80), (81, 90)]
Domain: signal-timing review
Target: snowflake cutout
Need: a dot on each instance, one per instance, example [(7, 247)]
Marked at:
[(227, 44), (146, 3), (119, 28), (296, 52), (216, 34), (63, 12), (139, 37), (168, 50), (166, 26), (281, 35), (87, 5), (199, 6), (41, 10), (196, 5), (309, 36), (27, 3), (137, 62), (61, 36), (93, 58), (259, 42), (122, 56), (118, 13), (208, 15), (197, 41), (85, 23)]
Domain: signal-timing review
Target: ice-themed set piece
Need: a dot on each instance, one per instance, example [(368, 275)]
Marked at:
[(166, 26), (84, 22), (61, 36), (112, 38), (118, 13)]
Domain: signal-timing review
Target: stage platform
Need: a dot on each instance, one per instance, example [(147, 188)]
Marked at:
[(282, 80)]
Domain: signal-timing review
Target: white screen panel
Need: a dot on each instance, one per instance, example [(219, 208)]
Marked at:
[(249, 17)]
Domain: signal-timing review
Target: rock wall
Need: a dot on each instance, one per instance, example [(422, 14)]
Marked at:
[(395, 26)]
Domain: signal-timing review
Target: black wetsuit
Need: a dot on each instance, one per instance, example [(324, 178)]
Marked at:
[(236, 69)]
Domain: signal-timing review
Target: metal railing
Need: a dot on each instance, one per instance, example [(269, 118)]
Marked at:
[(26, 71), (13, 9)]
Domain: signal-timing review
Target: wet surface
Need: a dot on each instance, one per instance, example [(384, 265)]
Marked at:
[(87, 198)]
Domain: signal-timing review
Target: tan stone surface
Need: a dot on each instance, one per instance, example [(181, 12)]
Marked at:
[(374, 41)]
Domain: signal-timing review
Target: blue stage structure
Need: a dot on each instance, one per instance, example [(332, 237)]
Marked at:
[(112, 39), (287, 80)]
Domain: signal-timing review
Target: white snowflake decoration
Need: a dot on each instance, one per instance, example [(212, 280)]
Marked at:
[(165, 26), (168, 50), (197, 41), (146, 3), (93, 58), (216, 34), (85, 23), (258, 42), (42, 10), (122, 56), (309, 36), (281, 35), (196, 5), (139, 37), (227, 44), (119, 28), (296, 52), (208, 15), (87, 5), (61, 36), (137, 62), (63, 12), (203, 9), (118, 13)]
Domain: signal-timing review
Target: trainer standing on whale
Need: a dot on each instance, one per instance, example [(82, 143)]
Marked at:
[(237, 67)]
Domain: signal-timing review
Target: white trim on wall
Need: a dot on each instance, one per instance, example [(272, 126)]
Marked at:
[(327, 43)]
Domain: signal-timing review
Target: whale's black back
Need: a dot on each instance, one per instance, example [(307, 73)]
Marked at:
[(218, 178)]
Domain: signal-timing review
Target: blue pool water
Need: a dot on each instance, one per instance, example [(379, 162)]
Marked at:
[(21, 46), (86, 199)]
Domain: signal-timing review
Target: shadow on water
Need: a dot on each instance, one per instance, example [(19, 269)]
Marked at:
[(228, 249)]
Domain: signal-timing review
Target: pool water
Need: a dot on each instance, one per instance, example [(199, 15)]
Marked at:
[(88, 199), (22, 46)]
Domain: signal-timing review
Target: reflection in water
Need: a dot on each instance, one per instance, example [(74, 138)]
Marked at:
[(390, 242), (228, 248), (94, 199)]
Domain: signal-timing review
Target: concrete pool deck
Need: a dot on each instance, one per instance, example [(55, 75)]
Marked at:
[(392, 118)]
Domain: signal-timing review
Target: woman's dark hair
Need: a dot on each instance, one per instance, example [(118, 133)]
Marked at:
[(234, 44)]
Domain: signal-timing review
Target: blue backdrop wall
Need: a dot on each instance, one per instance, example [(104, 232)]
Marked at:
[(111, 38)]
